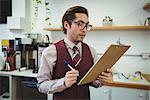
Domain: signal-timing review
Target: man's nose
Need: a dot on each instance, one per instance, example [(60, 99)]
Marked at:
[(84, 29)]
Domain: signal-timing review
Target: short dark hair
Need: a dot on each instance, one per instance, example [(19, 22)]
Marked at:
[(70, 14)]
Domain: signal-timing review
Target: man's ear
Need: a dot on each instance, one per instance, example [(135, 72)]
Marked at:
[(66, 25)]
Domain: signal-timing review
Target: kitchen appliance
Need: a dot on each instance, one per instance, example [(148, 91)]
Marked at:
[(9, 55), (26, 53), (41, 46), (147, 22)]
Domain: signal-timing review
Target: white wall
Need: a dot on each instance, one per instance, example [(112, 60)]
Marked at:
[(18, 8), (124, 12), (139, 41)]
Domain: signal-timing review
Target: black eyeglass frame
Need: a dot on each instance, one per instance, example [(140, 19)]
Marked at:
[(82, 24)]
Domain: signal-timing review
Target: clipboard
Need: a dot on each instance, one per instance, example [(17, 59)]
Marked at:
[(107, 60)]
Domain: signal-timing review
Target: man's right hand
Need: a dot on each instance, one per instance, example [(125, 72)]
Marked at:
[(71, 77)]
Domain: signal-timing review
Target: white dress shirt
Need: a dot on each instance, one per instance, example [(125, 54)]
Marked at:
[(48, 61)]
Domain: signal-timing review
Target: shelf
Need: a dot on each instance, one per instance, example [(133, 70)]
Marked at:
[(53, 29), (108, 28), (121, 28)]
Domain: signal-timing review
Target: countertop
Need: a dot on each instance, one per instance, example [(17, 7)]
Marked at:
[(129, 85), (144, 84), (28, 73), (24, 73)]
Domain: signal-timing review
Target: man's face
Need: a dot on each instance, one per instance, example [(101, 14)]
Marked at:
[(78, 28)]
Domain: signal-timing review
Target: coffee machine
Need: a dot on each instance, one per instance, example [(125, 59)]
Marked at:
[(28, 50), (26, 53)]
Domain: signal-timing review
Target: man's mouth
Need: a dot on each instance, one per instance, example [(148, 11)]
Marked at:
[(82, 35)]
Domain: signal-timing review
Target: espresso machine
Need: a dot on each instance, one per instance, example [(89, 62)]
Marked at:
[(26, 53)]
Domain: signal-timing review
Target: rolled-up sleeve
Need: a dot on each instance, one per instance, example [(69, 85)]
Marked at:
[(44, 77)]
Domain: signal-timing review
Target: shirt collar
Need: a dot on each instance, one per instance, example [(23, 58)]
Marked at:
[(71, 44)]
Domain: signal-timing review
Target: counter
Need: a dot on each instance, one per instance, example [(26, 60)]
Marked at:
[(14, 77), (28, 73), (129, 85), (141, 84)]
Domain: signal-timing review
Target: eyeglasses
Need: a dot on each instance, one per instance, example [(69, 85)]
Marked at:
[(82, 24)]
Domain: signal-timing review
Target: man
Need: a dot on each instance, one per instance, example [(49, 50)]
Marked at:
[(54, 74)]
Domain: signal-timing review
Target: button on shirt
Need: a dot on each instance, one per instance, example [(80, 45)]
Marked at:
[(48, 61)]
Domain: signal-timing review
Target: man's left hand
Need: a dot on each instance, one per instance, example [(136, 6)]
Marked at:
[(105, 77)]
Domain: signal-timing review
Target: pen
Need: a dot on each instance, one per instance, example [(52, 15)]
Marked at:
[(125, 76), (67, 64)]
